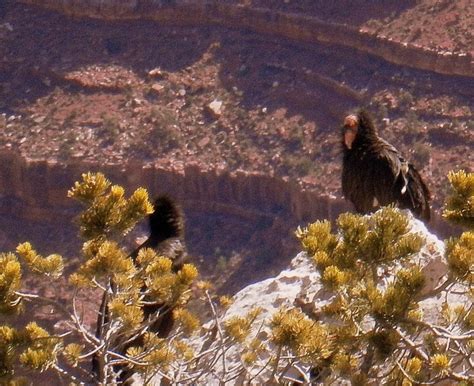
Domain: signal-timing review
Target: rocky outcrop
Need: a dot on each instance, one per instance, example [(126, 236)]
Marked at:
[(300, 285), (293, 26)]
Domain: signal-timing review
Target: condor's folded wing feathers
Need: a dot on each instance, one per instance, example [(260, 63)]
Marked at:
[(386, 169), (417, 194)]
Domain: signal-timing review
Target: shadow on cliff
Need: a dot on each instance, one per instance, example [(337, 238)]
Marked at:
[(43, 45)]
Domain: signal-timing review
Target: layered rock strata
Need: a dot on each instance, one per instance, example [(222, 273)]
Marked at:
[(293, 26), (37, 190)]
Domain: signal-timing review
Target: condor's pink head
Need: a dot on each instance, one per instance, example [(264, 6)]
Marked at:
[(351, 124)]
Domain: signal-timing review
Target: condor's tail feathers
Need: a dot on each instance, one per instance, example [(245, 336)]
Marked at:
[(167, 221)]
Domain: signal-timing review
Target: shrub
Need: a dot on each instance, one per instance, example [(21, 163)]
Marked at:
[(370, 329)]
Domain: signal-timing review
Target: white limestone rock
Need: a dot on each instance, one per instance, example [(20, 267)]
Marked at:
[(300, 283)]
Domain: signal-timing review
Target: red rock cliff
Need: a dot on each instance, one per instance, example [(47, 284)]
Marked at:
[(40, 187)]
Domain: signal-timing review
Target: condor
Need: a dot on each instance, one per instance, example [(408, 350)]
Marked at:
[(375, 174)]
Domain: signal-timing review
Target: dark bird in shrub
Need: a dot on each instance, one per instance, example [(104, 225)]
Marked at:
[(166, 238), (375, 174)]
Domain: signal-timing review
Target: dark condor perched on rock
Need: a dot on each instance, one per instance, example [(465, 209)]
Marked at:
[(166, 238), (375, 174)]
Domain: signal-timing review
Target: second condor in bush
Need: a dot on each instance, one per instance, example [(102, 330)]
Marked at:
[(166, 238)]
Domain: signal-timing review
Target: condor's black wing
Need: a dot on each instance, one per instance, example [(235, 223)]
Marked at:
[(408, 189)]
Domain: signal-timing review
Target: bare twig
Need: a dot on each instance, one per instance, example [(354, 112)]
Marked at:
[(411, 345), (435, 291), (219, 329), (277, 362), (442, 331), (410, 378), (43, 299)]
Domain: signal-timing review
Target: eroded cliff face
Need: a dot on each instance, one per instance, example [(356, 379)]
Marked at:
[(240, 213), (40, 189), (41, 186), (293, 26)]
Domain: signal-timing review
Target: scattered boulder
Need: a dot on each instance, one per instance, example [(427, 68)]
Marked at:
[(156, 73), (157, 88), (214, 109), (204, 142), (39, 119)]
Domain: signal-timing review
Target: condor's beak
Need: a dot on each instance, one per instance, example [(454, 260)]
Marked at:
[(349, 136), (350, 130)]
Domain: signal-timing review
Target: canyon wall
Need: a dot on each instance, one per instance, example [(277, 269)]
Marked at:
[(39, 187), (37, 190), (293, 26)]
